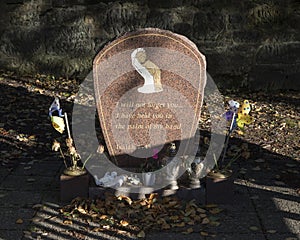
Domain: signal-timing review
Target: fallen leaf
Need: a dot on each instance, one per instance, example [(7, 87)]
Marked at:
[(188, 231), (271, 231), (103, 217), (19, 221), (67, 222), (30, 180), (153, 196), (211, 205), (97, 229), (37, 206), (81, 210), (256, 168), (215, 224), (215, 210), (125, 198), (191, 223), (253, 228), (201, 210), (165, 226), (32, 137), (141, 234), (204, 233), (213, 218), (182, 224), (124, 223), (260, 160), (174, 218), (290, 165), (205, 221)]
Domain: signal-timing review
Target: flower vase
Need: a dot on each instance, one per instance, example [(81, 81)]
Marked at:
[(148, 178), (219, 188)]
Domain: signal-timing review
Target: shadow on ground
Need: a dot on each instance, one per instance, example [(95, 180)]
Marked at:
[(266, 204)]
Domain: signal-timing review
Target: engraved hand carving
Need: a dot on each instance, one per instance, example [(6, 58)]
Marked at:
[(148, 70)]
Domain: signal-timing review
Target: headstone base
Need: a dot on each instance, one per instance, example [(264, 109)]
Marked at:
[(183, 193)]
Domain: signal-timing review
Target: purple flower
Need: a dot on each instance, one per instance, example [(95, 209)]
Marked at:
[(155, 153), (228, 115)]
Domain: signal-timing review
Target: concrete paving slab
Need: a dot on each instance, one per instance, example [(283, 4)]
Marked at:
[(11, 234), (51, 196), (9, 217), (19, 198), (4, 172), (288, 236), (173, 236), (282, 222), (278, 204), (37, 169), (234, 236), (238, 223), (33, 183)]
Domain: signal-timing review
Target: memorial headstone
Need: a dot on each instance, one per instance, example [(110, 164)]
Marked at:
[(149, 90)]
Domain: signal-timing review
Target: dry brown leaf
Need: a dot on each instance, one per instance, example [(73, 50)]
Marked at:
[(97, 229), (19, 221), (142, 202), (174, 218), (141, 234), (201, 210), (215, 210), (188, 231), (182, 224), (161, 221), (111, 211), (215, 224), (124, 223), (37, 206), (189, 212), (153, 196), (254, 228), (81, 210), (172, 204), (67, 222), (205, 221), (165, 226), (125, 198), (204, 233), (211, 205)]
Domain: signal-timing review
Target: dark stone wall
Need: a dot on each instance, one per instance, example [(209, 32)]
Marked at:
[(251, 43)]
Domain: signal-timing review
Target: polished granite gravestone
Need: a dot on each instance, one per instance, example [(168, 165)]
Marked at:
[(149, 90)]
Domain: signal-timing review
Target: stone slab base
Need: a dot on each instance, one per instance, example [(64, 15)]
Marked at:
[(183, 193), (72, 187)]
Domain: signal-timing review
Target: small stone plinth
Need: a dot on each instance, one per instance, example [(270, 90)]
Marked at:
[(73, 186), (219, 191)]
